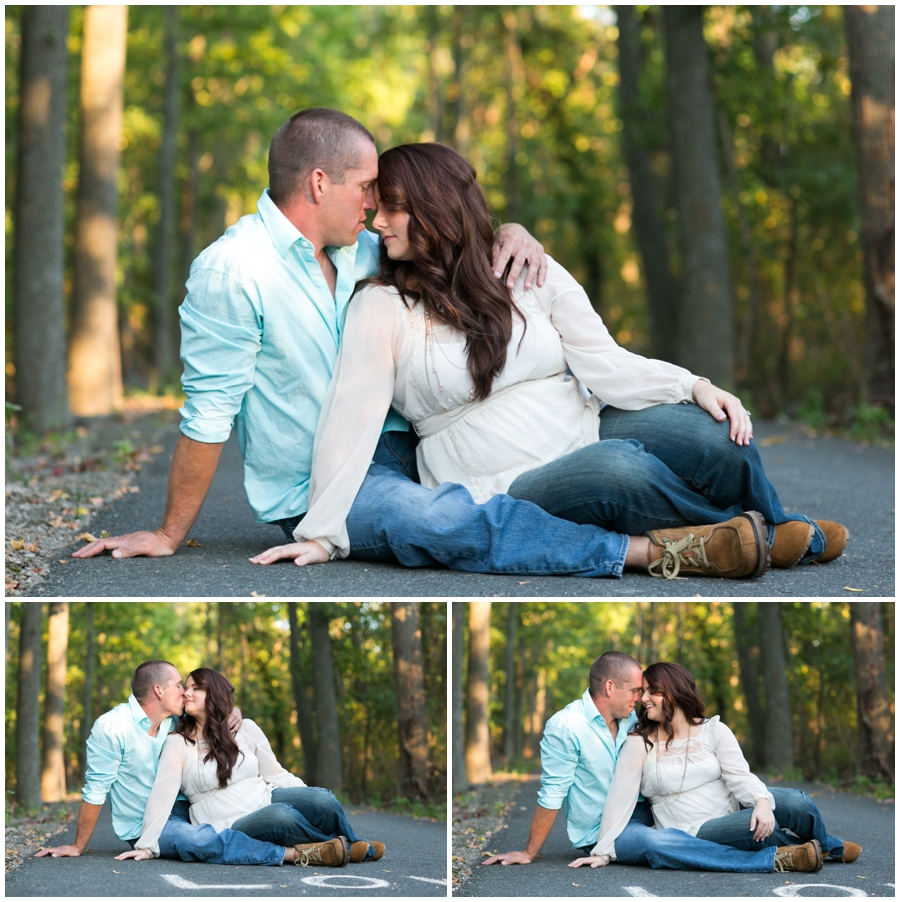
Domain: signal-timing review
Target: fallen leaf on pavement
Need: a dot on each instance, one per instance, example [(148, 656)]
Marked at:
[(848, 589), (17, 545), (193, 543), (86, 536)]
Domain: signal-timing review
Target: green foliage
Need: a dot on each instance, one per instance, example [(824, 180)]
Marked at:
[(556, 642), (249, 643), (529, 94)]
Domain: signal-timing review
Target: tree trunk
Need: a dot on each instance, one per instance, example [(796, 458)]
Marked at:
[(705, 316), (478, 736), (28, 715), (53, 769), (166, 360), (662, 287), (412, 714), (329, 772), (301, 699), (95, 365), (876, 727), (509, 707), (458, 615), (514, 77), (40, 342), (779, 747), (750, 685), (87, 718), (870, 48)]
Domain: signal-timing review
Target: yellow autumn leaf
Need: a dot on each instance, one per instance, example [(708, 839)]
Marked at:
[(17, 545), (849, 589), (87, 537), (193, 543)]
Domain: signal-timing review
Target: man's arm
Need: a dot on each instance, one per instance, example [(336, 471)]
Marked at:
[(190, 476), (88, 815), (541, 824)]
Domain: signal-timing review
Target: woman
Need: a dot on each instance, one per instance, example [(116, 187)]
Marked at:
[(484, 377), (236, 781), (691, 770)]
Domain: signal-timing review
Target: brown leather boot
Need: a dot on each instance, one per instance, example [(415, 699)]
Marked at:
[(334, 853), (851, 853), (792, 539), (806, 858), (733, 550), (360, 849), (836, 538)]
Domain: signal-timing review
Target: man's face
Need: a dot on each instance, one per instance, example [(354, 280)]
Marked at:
[(173, 693), (344, 206), (624, 697)]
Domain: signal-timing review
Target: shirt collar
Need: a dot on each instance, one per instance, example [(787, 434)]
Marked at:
[(138, 713), (284, 234), (591, 712)]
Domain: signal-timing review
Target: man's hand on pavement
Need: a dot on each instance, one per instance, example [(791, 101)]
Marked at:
[(135, 544), (60, 852), (510, 858)]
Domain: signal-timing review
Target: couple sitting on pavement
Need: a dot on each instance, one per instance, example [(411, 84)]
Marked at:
[(708, 811), (203, 785), (517, 470)]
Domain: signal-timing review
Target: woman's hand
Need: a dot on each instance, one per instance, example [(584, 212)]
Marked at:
[(303, 553), (514, 242), (762, 821), (136, 854), (719, 403), (595, 861)]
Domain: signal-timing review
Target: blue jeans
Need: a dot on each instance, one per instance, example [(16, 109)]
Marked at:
[(183, 840), (300, 814), (641, 843), (395, 519), (666, 466), (794, 811)]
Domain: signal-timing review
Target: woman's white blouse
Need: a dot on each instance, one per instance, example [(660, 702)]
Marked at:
[(717, 782), (181, 766), (536, 412)]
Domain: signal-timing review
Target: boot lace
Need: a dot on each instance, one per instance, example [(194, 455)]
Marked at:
[(308, 856), (782, 858), (686, 552)]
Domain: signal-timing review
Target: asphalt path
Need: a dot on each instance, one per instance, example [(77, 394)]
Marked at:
[(855, 818), (827, 478), (414, 864)]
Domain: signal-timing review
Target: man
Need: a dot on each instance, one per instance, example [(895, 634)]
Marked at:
[(261, 325), (122, 756), (579, 750)]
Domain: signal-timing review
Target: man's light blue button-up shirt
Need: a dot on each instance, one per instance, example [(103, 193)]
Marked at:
[(578, 758), (260, 331), (122, 758)]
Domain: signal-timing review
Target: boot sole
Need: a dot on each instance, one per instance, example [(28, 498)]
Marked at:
[(345, 844), (762, 543)]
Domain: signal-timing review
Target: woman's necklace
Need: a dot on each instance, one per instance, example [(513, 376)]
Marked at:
[(429, 351), (687, 751)]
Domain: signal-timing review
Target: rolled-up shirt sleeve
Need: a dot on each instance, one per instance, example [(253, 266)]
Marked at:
[(221, 334), (105, 752), (559, 760)]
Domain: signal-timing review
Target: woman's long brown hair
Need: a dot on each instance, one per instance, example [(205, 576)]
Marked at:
[(678, 689), (451, 238), (219, 705)]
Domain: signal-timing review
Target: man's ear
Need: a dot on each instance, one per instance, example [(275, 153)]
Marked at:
[(318, 184)]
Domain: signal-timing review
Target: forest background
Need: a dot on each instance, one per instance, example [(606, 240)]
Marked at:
[(807, 687), (352, 695), (720, 179)]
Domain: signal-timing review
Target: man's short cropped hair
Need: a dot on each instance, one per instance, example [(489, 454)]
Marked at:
[(314, 139), (611, 665), (148, 675)]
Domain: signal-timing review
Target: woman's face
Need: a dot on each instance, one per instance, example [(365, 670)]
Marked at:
[(194, 698), (651, 700), (393, 225)]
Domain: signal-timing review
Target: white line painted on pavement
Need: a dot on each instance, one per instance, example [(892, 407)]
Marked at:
[(638, 891), (328, 882), (181, 883), (430, 880), (796, 890)]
